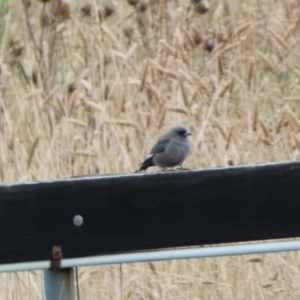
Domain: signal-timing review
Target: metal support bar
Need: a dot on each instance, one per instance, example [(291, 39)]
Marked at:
[(195, 252), (58, 284)]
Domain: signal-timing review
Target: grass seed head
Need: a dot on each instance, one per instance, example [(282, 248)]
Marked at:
[(34, 76), (264, 128), (255, 117)]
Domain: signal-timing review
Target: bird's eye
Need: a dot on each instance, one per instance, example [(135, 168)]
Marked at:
[(182, 132)]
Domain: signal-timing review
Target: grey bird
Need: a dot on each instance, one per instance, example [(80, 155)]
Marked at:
[(170, 150)]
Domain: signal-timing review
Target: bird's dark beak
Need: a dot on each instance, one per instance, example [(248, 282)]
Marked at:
[(187, 134)]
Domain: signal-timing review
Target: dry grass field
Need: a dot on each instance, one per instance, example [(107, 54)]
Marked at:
[(86, 87)]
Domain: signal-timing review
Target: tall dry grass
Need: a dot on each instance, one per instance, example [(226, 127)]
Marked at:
[(86, 88)]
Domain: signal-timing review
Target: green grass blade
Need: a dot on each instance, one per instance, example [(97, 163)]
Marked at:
[(32, 151), (23, 72)]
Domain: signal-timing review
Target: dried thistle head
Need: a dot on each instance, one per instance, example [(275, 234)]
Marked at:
[(72, 87), (230, 162), (107, 11), (107, 59), (142, 6), (27, 3), (15, 47), (86, 10), (197, 38), (221, 36), (128, 32), (209, 45), (64, 9), (133, 2), (202, 7), (12, 42), (46, 19)]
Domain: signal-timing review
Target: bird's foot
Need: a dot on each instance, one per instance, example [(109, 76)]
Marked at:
[(182, 169), (166, 170)]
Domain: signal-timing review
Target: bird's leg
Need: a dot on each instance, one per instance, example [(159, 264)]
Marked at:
[(181, 168)]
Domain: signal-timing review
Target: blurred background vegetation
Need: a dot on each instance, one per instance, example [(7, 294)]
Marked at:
[(86, 87)]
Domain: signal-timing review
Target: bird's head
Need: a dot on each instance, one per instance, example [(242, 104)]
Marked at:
[(181, 131)]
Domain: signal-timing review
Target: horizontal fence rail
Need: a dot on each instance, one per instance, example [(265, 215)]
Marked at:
[(63, 220)]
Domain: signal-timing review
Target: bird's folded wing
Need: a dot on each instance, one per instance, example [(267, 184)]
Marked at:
[(160, 146)]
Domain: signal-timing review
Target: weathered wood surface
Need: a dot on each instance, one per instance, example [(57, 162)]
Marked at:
[(134, 212)]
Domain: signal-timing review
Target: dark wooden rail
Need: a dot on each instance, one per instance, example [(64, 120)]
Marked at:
[(133, 212)]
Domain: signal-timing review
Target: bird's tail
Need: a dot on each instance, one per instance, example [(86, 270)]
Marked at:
[(146, 164)]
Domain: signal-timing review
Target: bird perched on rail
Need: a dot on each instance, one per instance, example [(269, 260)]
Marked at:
[(170, 150)]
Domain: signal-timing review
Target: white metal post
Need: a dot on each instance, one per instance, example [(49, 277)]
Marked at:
[(58, 284)]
